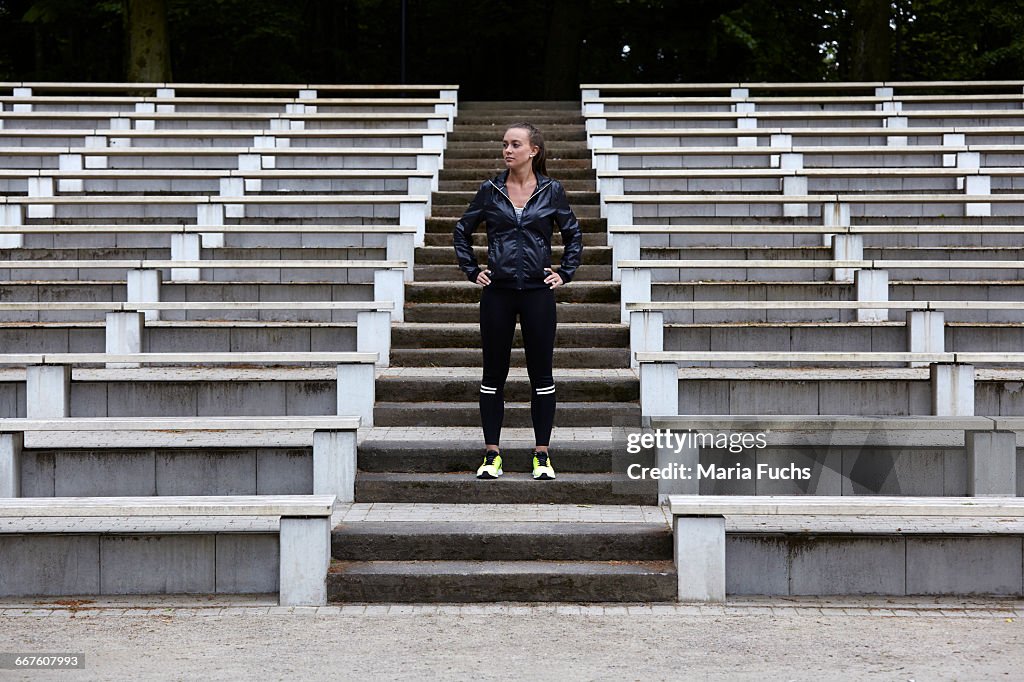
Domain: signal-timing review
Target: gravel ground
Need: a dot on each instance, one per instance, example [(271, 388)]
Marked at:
[(530, 642)]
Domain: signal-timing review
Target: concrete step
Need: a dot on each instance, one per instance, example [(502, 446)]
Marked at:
[(467, 335), (560, 172), (462, 199), (554, 134), (458, 389), (443, 456), (497, 541), (451, 273), (467, 292), (567, 358), (443, 237), (519, 107), (488, 165), (444, 255), (456, 210), (457, 581), (488, 150), (445, 223), (471, 185), (511, 488), (517, 415), (601, 313)]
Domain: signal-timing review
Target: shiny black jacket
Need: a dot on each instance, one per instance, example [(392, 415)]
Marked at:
[(518, 252)]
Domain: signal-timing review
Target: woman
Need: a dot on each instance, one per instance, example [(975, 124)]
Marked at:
[(521, 206)]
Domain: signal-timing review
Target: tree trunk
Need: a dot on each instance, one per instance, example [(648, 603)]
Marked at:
[(871, 48), (562, 58), (149, 53)]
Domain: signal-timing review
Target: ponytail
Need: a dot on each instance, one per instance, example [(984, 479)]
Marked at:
[(537, 140)]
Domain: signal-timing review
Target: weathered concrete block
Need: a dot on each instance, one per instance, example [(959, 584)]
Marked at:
[(305, 554), (10, 464), (952, 389), (49, 565), (699, 551), (242, 398), (205, 472), (756, 564), (964, 565), (727, 461), (356, 391), (883, 471), (334, 464), (37, 473), (152, 399), (104, 473), (659, 389), (312, 397), (48, 391), (284, 472), (148, 564), (247, 563), (824, 463), (824, 565), (991, 463)]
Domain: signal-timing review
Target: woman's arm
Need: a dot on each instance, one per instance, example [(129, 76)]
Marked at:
[(572, 235), (462, 235)]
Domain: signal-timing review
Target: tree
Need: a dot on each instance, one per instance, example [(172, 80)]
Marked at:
[(149, 51), (870, 43)]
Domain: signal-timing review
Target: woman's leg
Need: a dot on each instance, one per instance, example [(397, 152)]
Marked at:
[(497, 329), (538, 322)]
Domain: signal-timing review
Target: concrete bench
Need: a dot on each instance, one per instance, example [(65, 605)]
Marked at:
[(144, 277), (869, 277), (223, 181), (951, 375), (295, 117), (836, 450), (791, 118), (398, 241), (948, 155), (925, 320), (333, 441), (48, 375), (629, 137), (192, 545), (125, 323), (231, 158), (212, 210), (700, 524), (224, 137)]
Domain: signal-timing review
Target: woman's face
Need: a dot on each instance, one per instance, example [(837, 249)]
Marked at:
[(516, 148)]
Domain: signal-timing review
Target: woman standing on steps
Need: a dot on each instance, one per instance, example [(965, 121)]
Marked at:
[(521, 207)]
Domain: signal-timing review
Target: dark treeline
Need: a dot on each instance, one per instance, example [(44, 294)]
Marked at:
[(529, 49)]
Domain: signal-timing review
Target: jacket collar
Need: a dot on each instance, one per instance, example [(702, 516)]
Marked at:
[(502, 178)]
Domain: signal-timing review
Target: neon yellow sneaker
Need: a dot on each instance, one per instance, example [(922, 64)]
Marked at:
[(542, 469), (491, 468)]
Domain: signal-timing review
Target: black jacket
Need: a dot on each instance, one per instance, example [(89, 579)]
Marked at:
[(517, 253)]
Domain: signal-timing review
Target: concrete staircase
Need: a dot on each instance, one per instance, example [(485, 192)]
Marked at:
[(426, 443)]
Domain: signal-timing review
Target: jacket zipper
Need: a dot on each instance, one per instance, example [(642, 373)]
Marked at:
[(519, 227)]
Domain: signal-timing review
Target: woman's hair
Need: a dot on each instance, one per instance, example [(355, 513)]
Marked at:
[(536, 139)]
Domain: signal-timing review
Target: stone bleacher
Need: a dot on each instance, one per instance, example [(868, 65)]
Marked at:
[(760, 238), (219, 291), (272, 230)]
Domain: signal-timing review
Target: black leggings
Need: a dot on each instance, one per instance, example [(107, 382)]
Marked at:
[(536, 311)]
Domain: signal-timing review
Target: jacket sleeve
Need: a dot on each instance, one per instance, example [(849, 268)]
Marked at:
[(572, 235), (462, 235)]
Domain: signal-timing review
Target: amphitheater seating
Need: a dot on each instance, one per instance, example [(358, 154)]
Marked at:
[(127, 456), (910, 552), (194, 545)]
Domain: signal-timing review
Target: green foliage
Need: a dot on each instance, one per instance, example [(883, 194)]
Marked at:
[(496, 49)]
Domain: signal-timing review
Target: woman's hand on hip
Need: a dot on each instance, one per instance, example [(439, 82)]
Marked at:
[(482, 279), (553, 279)]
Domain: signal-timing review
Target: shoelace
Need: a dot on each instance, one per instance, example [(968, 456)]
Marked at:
[(490, 457), (542, 458)]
